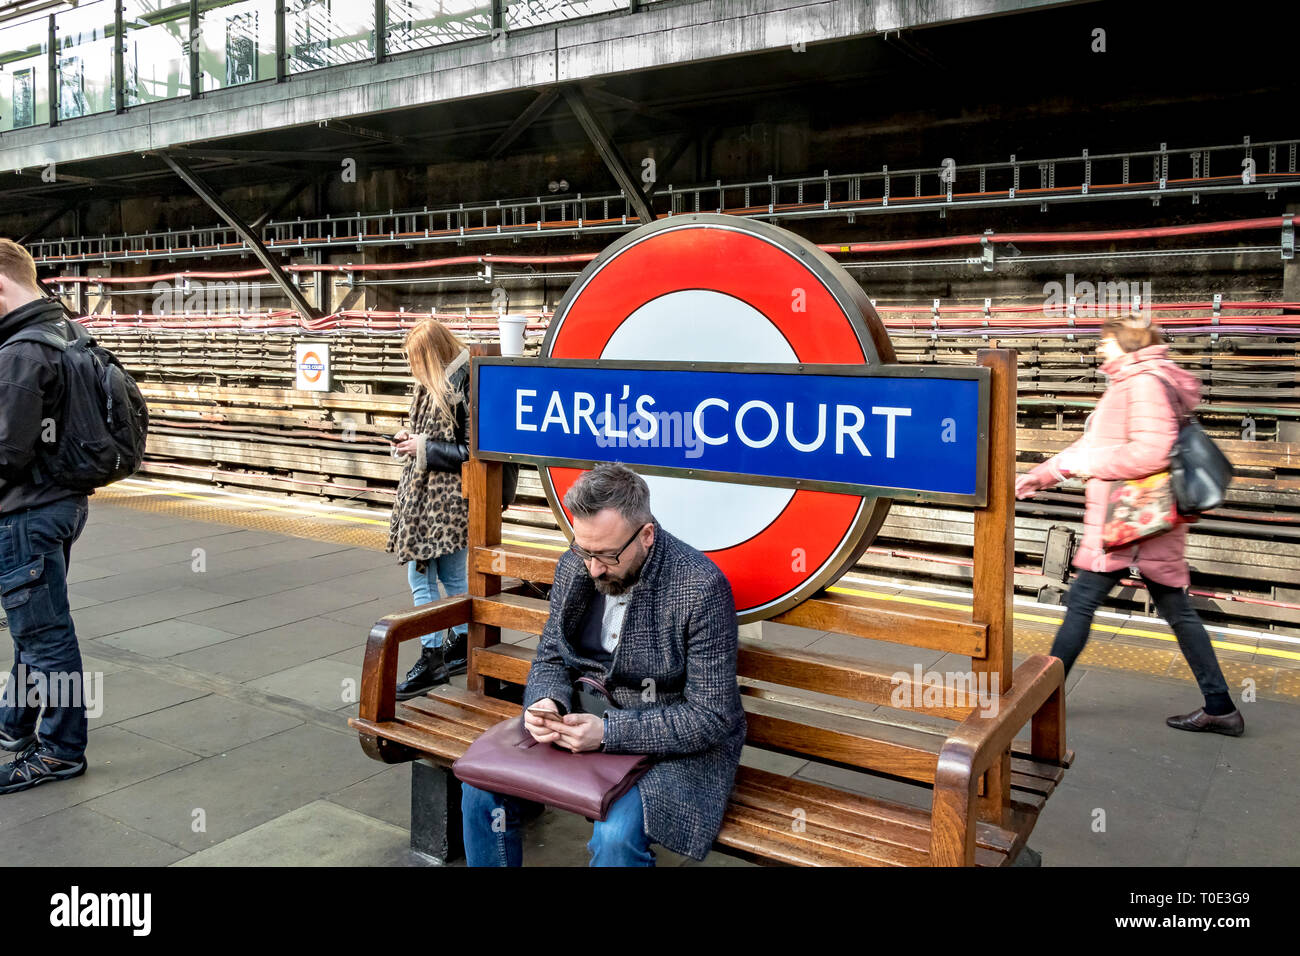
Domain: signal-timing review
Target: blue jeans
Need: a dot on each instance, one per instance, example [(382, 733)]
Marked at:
[(493, 836), (35, 548), (453, 570)]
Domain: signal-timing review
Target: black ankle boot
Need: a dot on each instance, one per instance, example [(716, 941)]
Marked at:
[(455, 653), (423, 676)]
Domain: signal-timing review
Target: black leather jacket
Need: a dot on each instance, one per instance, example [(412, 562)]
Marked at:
[(450, 455)]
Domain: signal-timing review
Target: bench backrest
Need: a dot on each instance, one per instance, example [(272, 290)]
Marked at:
[(805, 702)]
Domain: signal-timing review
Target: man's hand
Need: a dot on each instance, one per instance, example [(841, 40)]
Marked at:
[(581, 732), (539, 728)]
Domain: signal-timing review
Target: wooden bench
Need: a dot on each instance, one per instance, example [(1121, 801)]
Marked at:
[(985, 788)]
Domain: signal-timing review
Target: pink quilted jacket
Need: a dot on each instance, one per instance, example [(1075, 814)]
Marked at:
[(1129, 435)]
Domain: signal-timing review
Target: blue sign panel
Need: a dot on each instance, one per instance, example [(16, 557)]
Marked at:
[(898, 431)]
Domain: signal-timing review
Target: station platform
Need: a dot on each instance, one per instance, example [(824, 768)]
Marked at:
[(226, 631)]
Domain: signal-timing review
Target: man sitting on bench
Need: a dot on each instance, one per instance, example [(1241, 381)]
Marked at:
[(653, 620)]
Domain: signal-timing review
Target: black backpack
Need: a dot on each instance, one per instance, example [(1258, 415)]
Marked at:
[(1199, 471), (104, 420)]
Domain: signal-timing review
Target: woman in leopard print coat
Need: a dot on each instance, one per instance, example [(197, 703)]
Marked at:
[(429, 530)]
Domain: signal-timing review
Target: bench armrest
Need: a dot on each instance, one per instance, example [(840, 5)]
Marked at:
[(379, 672), (1038, 693)]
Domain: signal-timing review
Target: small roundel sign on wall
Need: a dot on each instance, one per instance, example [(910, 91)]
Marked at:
[(745, 375)]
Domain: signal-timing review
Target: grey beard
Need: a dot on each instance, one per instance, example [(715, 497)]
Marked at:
[(607, 586)]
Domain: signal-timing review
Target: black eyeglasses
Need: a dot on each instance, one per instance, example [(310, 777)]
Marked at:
[(609, 560)]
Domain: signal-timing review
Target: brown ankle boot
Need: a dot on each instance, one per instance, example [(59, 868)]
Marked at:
[(1233, 724)]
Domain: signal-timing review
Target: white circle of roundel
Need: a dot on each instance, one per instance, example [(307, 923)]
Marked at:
[(708, 515)]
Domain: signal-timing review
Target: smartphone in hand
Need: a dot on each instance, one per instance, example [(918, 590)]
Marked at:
[(546, 714)]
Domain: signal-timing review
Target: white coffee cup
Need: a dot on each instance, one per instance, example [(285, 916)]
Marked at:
[(512, 333)]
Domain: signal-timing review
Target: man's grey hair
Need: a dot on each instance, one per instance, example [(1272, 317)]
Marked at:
[(610, 485)]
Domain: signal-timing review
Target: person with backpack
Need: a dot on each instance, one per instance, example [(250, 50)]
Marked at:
[(39, 521), (1130, 435), (429, 528)]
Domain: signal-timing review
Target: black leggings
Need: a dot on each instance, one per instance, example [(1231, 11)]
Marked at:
[(1090, 589)]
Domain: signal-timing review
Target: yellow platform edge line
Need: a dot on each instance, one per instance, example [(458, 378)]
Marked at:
[(239, 508)]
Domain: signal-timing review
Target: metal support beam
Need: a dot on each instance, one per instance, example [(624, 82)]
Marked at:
[(381, 31), (286, 285), (281, 46), (53, 68), (609, 153), (119, 55), (675, 152), (287, 198), (48, 221), (525, 119), (365, 132), (194, 50)]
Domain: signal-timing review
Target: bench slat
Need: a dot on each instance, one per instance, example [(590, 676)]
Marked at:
[(835, 609), (806, 793), (471, 720), (765, 831), (834, 674), (804, 731), (412, 737), (497, 709)]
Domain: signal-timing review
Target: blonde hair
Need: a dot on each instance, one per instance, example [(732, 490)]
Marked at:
[(1133, 331), (430, 348), (17, 265)]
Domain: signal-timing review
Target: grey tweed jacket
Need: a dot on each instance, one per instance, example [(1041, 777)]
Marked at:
[(673, 676)]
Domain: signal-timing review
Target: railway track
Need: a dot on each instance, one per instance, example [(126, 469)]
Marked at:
[(224, 411)]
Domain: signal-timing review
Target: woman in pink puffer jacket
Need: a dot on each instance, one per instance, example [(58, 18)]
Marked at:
[(1130, 435)]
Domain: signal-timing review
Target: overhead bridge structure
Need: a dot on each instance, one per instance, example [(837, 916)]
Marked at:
[(208, 183)]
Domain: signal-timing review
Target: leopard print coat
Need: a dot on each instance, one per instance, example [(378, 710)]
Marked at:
[(430, 515)]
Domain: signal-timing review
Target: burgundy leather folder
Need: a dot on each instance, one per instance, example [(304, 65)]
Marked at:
[(506, 759)]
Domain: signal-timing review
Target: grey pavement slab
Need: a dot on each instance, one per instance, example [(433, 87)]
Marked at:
[(78, 836), (1106, 826), (113, 547), (407, 655), (329, 684), (336, 567), (363, 615), (129, 584), (1233, 841), (115, 616), (167, 638), (269, 611), (267, 652), (116, 758), (319, 834), (786, 635), (385, 796), (80, 571), (210, 725), (129, 693), (95, 664), (880, 653), (243, 788)]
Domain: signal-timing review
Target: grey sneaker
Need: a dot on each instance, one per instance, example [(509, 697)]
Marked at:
[(34, 766)]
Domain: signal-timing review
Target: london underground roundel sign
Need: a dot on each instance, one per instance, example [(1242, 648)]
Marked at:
[(717, 289)]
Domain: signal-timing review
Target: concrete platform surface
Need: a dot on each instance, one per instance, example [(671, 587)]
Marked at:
[(230, 660)]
